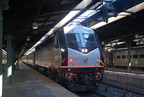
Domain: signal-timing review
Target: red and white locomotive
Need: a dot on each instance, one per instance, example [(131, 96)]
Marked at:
[(72, 56)]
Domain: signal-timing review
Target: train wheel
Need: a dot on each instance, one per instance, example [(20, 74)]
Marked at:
[(60, 80), (56, 77), (49, 74), (45, 72), (97, 84), (70, 85), (36, 67)]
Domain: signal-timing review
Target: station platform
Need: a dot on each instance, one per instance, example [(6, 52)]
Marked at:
[(126, 77), (27, 82)]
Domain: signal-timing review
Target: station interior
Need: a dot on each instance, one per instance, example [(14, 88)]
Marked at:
[(24, 24)]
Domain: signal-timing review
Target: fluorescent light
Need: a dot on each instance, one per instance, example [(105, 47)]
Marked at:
[(110, 20), (120, 15), (4, 52), (68, 28), (84, 16), (35, 25), (30, 51), (43, 38), (83, 4), (67, 18), (121, 43), (28, 38), (51, 31)]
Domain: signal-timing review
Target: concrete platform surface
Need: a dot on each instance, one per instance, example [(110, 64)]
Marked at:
[(131, 78), (29, 83)]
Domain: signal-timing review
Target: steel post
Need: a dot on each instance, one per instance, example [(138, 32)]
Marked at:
[(1, 39), (129, 59), (9, 59), (13, 59)]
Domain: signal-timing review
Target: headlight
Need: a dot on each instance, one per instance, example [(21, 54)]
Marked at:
[(84, 50)]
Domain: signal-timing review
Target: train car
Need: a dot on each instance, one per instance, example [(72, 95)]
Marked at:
[(73, 56), (119, 58), (30, 59), (108, 59)]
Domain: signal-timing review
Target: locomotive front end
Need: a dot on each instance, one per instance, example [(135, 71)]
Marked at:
[(84, 59)]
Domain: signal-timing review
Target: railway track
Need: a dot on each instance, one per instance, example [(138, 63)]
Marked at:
[(90, 94), (124, 70), (101, 94), (114, 89), (122, 89)]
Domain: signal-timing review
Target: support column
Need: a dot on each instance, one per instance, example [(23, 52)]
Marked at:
[(17, 65), (13, 59), (1, 39), (9, 58), (129, 59), (128, 43)]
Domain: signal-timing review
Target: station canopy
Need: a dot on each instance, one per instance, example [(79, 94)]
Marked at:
[(30, 22)]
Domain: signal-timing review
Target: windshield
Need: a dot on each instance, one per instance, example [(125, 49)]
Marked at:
[(73, 40), (89, 40)]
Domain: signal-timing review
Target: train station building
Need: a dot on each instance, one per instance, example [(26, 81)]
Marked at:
[(34, 36)]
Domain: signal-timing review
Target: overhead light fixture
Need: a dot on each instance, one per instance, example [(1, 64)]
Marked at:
[(100, 19), (121, 42), (28, 38), (103, 42), (4, 52), (25, 44), (120, 15), (35, 25), (142, 40), (136, 36), (111, 14), (84, 16)]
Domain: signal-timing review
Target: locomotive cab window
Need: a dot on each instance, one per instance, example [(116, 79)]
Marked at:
[(89, 39), (73, 40)]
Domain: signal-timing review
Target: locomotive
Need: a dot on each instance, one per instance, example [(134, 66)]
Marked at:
[(119, 58), (72, 56)]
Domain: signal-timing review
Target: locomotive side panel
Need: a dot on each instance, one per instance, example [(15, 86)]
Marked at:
[(50, 53), (48, 56), (62, 47), (30, 59)]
